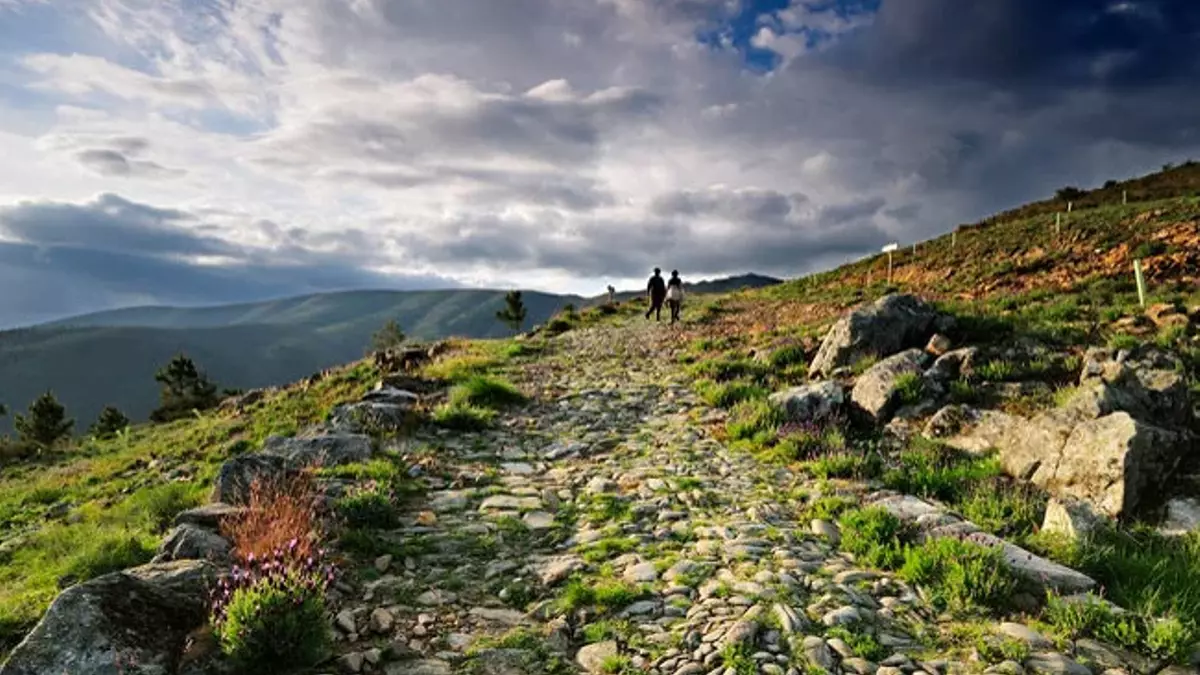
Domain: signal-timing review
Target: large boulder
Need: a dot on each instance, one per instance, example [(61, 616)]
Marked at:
[(811, 402), (876, 390), (319, 450), (1112, 443), (371, 416), (209, 516), (237, 475), (889, 325), (134, 622), (189, 542), (1113, 462)]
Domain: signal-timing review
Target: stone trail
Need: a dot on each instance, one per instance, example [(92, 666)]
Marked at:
[(612, 476)]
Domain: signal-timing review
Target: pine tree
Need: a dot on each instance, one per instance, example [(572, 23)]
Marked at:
[(46, 424), (388, 337), (184, 388), (110, 423), (513, 314)]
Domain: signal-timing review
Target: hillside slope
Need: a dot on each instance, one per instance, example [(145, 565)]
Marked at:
[(109, 358)]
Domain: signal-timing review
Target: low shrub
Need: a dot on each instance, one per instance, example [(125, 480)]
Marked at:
[(961, 576), (463, 417), (269, 615), (485, 392), (278, 515), (372, 505), (874, 536)]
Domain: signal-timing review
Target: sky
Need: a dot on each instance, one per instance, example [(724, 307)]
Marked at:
[(211, 151)]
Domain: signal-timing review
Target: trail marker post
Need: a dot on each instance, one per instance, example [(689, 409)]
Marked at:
[(954, 239), (1141, 281), (1124, 197), (1069, 205), (888, 250), (1058, 223)]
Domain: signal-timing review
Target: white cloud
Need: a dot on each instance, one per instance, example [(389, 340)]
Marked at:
[(566, 138)]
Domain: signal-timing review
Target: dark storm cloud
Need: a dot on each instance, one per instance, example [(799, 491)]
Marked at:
[(1125, 43), (746, 206), (113, 252)]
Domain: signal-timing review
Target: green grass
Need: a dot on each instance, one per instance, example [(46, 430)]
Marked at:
[(864, 645), (874, 536), (118, 506), (929, 469), (962, 577), (1141, 570), (910, 388), (1169, 638), (482, 391), (605, 596), (728, 394), (463, 417)]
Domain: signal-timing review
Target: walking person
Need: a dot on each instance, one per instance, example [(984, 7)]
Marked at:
[(675, 295), (657, 289)]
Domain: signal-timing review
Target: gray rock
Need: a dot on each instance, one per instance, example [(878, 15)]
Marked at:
[(1053, 663), (875, 391), (381, 620), (320, 450), (499, 615), (641, 573), (827, 529), (811, 402), (952, 365), (238, 475), (592, 657), (505, 662), (422, 667), (351, 662), (817, 652), (842, 616), (208, 516), (554, 570), (189, 542), (1024, 634), (889, 325), (370, 417), (142, 615), (1072, 518), (1183, 516)]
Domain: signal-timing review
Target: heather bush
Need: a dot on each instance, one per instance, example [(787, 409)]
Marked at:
[(269, 613)]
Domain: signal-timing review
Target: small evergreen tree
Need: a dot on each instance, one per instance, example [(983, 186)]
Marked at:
[(110, 423), (513, 314), (388, 337), (46, 424), (184, 388)]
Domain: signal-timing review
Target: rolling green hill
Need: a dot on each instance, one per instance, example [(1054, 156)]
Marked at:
[(109, 358)]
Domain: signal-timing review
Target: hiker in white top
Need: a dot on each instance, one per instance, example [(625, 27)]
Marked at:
[(675, 295)]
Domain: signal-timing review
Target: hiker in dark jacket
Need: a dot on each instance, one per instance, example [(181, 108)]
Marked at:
[(675, 295), (658, 292)]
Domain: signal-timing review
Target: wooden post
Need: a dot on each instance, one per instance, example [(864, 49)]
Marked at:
[(954, 239), (1069, 205), (1124, 197), (889, 268), (1141, 282), (1058, 223), (914, 249)]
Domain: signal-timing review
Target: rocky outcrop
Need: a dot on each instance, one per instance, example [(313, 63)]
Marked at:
[(238, 475), (876, 392), (133, 622), (935, 522), (319, 450), (1071, 518), (1118, 438), (889, 325), (189, 542), (811, 402)]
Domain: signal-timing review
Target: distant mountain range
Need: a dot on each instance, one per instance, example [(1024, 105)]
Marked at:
[(109, 358)]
